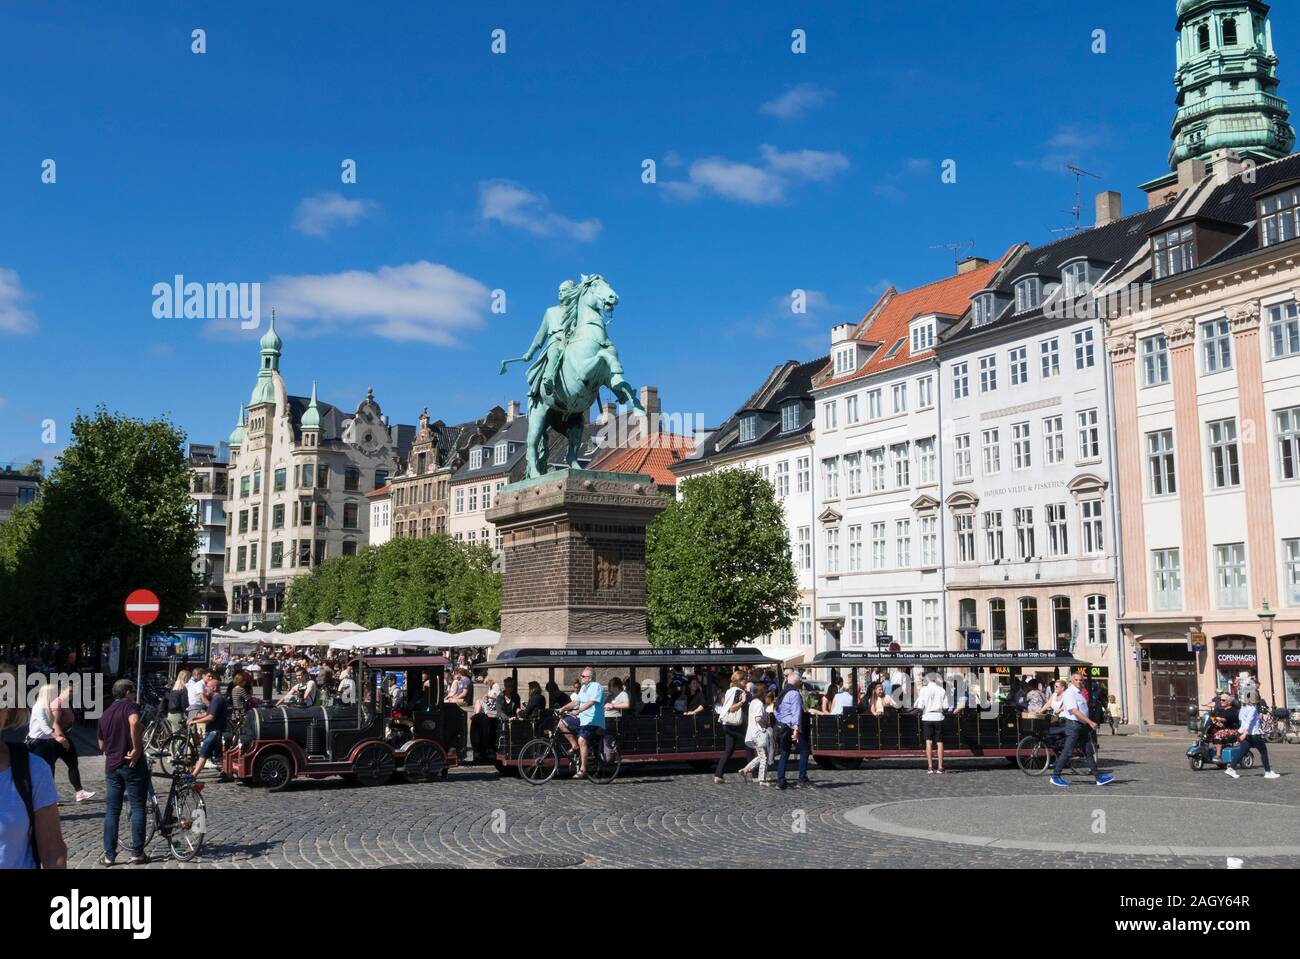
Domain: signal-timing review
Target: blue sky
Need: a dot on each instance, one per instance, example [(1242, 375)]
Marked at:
[(479, 171)]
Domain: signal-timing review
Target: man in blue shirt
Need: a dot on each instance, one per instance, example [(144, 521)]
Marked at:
[(584, 717), (791, 729)]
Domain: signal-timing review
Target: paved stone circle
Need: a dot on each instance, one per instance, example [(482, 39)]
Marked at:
[(655, 816)]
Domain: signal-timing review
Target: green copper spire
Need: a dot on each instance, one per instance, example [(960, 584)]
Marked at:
[(311, 416), (1227, 82), (237, 434), (264, 389)]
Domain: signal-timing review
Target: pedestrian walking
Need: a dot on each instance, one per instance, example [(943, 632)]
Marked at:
[(1078, 726), (733, 717), (1250, 736), (792, 729), (30, 832), (758, 739), (47, 734), (125, 771), (932, 701)]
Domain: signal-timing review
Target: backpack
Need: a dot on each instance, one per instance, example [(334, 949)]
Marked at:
[(20, 769)]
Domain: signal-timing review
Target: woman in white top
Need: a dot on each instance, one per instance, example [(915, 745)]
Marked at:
[(877, 701), (757, 738), (620, 700), (17, 850), (841, 701), (1057, 700), (47, 734)]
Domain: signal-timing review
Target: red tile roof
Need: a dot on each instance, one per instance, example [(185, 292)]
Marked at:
[(651, 456), (382, 491), (887, 321)]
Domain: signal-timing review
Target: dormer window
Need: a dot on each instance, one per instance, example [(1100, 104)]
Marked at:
[(501, 450), (1075, 279), (1173, 252), (922, 336), (982, 309), (846, 360), (1279, 217), (789, 417), (476, 457), (1028, 294), (747, 429)]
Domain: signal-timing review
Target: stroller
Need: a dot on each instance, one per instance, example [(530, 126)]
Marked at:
[(1204, 750)]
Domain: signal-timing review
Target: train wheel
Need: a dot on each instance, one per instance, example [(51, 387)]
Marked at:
[(273, 771), (538, 761), (846, 763), (374, 765), (1032, 756), (424, 764)]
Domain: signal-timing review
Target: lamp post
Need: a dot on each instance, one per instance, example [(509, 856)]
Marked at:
[(1266, 617), (442, 617)]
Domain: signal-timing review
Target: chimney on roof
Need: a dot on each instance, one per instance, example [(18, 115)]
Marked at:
[(1110, 207), (841, 333), (608, 413), (512, 411), (1190, 173), (650, 399), (1225, 164), (971, 263)]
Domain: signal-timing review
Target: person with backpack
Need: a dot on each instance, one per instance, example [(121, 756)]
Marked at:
[(732, 716), (30, 834)]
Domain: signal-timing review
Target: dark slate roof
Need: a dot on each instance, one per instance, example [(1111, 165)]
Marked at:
[(331, 417), (516, 431), (1110, 246), (1235, 202), (789, 381)]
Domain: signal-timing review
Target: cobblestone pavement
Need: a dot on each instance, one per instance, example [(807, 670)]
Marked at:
[(673, 816)]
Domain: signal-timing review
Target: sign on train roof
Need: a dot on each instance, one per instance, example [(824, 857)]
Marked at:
[(947, 657), (630, 656)]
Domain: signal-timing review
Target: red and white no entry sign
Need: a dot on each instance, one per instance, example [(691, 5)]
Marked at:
[(142, 607)]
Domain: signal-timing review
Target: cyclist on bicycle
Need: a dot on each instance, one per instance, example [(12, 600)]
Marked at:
[(216, 716), (583, 719)]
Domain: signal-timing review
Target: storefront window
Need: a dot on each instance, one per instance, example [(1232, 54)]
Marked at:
[(1291, 671), (1235, 662)]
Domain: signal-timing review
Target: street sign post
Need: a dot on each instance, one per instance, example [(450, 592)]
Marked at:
[(142, 608)]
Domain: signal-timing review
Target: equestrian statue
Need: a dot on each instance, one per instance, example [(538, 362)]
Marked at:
[(577, 359)]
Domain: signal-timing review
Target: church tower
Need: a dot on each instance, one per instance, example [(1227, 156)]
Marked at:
[(1226, 84)]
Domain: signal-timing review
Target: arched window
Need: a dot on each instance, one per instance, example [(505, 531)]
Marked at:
[(966, 613), (1230, 32), (1203, 38), (1062, 625), (1098, 633), (1029, 622)]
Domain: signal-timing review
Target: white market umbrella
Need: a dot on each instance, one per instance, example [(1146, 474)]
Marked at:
[(370, 639), (475, 637)]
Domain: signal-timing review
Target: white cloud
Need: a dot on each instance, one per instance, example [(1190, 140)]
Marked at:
[(796, 101), (419, 302), (1067, 145), (14, 318), (762, 183), (510, 203), (318, 215), (894, 186)]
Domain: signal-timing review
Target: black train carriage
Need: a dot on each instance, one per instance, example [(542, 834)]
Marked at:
[(663, 738), (370, 738), (987, 728)]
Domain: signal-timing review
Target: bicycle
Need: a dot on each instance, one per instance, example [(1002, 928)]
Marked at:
[(180, 750), (157, 728), (1036, 753), (184, 820), (542, 756)]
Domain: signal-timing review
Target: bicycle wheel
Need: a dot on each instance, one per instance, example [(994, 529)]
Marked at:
[(1033, 756), (178, 752), (152, 816), (603, 769), (188, 825), (156, 734), (538, 761)]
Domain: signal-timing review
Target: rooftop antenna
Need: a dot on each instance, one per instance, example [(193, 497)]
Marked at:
[(1077, 209), (955, 249)]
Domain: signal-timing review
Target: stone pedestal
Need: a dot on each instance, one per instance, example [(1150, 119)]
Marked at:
[(573, 559)]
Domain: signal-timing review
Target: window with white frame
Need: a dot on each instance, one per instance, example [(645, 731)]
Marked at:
[(1160, 463), (473, 499), (1098, 634), (831, 477), (874, 410), (476, 457), (748, 425), (930, 622), (846, 360), (1021, 457), (500, 451), (903, 540), (1049, 352), (981, 309), (992, 453), (832, 549), (960, 381), (1090, 513), (1291, 580), (988, 373), (1287, 423), (880, 618), (1053, 439), (1230, 576), (460, 501), (855, 548), (1058, 530), (900, 397), (901, 454), (1155, 360), (1084, 351), (803, 474), (1284, 330), (856, 624), (904, 622), (1225, 467), (789, 417), (925, 461), (1018, 360), (965, 529), (782, 484), (1089, 435), (961, 456), (830, 414), (929, 541), (851, 409), (993, 540), (1024, 517), (925, 392), (1173, 251), (878, 546), (922, 336), (1279, 217), (876, 463), (805, 626), (853, 472), (1166, 579), (1075, 279), (803, 548), (1027, 294), (1216, 346)]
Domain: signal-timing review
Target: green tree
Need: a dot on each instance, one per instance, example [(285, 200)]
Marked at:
[(114, 515), (34, 468), (718, 569)]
